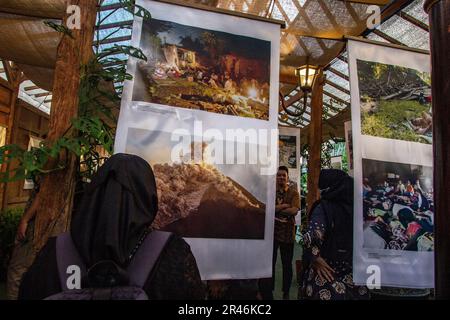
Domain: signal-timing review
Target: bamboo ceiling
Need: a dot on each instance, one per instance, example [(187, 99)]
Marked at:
[(314, 29)]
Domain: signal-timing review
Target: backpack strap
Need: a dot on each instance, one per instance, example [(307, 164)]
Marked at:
[(146, 257), (67, 255)]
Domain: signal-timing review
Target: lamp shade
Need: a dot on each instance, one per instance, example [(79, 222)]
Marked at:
[(306, 76)]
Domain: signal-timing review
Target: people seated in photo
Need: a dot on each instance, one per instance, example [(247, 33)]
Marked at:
[(397, 218), (366, 187), (400, 188), (113, 220), (409, 188)]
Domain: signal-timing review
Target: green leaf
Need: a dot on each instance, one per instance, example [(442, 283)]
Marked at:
[(135, 9), (59, 28)]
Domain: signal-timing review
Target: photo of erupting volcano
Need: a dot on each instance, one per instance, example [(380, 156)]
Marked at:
[(195, 68), (201, 199)]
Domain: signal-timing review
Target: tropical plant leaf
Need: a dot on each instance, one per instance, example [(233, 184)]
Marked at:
[(59, 28)]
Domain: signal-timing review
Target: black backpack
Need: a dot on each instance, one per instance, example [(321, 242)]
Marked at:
[(107, 281)]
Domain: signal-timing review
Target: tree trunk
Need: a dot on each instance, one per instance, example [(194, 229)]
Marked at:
[(56, 192), (15, 78), (315, 141), (439, 14)]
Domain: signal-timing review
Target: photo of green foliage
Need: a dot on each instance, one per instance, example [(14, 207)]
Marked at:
[(395, 102)]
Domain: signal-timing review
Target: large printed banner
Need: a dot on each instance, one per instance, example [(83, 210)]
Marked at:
[(289, 153), (289, 156), (392, 134), (202, 110), (349, 146)]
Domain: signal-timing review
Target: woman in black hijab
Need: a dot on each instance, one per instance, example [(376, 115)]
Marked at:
[(328, 242), (114, 216)]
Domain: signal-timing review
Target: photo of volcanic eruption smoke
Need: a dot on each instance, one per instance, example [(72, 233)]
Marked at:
[(199, 200), (398, 206), (195, 68)]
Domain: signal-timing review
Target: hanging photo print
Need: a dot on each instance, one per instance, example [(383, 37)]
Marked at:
[(289, 153), (202, 111), (393, 165)]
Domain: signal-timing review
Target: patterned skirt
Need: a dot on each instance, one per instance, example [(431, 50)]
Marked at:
[(342, 287)]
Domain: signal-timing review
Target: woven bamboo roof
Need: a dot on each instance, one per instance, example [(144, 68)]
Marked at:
[(314, 29)]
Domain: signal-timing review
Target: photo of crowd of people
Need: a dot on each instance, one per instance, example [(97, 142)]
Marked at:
[(202, 69), (398, 206)]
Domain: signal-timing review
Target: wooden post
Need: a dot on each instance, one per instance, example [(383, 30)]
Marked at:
[(56, 192), (315, 141), (439, 15), (15, 78)]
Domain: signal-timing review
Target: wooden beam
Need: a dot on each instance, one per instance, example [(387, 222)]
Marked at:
[(31, 88), (15, 77), (342, 58), (206, 8), (414, 21), (315, 142), (334, 85), (390, 45), (393, 8), (112, 40), (301, 118), (311, 26), (353, 13), (388, 38), (288, 79), (332, 96), (111, 7), (330, 17), (7, 68), (55, 197), (377, 2), (114, 25), (337, 110), (388, 11), (333, 127), (224, 11), (294, 99), (338, 73), (439, 15), (44, 94)]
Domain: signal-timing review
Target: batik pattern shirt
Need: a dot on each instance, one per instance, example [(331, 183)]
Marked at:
[(284, 223), (313, 286)]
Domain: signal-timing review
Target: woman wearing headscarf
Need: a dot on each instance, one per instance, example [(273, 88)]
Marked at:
[(328, 242), (113, 218)]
